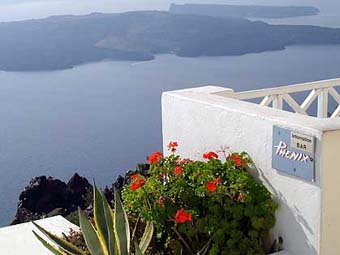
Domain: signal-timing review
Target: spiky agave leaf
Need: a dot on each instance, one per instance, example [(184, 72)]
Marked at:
[(62, 244), (50, 247), (100, 220), (109, 217), (137, 249), (90, 235), (109, 236), (122, 228), (147, 236)]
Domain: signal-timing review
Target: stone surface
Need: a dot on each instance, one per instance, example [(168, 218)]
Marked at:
[(19, 239)]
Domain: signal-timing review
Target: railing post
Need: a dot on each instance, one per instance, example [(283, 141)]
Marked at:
[(323, 103), (278, 102)]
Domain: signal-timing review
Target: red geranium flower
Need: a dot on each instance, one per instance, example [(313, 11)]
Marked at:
[(172, 145), (155, 157), (210, 155), (212, 185), (178, 170), (181, 216), (236, 158), (137, 184), (134, 176), (217, 180)]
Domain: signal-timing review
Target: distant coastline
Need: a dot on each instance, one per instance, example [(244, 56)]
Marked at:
[(62, 42), (244, 11)]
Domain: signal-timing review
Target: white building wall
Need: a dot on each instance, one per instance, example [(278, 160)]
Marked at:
[(330, 213), (201, 121), (19, 239)]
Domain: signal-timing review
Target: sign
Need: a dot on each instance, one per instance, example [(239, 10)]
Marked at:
[(293, 153), (302, 142)]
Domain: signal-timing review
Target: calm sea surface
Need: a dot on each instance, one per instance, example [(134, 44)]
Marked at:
[(101, 119)]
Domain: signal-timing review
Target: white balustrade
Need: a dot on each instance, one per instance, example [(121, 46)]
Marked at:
[(320, 90)]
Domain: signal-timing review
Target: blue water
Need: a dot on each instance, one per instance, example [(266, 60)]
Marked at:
[(101, 119)]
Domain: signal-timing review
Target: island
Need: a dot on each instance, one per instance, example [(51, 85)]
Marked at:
[(244, 11), (63, 42)]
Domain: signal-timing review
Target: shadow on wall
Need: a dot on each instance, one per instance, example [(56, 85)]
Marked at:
[(290, 216)]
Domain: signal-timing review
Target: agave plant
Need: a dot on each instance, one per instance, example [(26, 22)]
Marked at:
[(109, 235)]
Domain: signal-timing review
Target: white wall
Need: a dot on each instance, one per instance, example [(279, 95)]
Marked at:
[(201, 121), (330, 230), (19, 239)]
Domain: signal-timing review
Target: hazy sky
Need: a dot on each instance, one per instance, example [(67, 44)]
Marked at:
[(27, 9)]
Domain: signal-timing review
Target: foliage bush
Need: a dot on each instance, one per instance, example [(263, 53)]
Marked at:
[(203, 207)]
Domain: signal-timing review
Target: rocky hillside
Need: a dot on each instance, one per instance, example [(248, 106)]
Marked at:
[(244, 11), (65, 41)]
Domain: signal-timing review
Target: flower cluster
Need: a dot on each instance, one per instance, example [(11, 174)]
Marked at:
[(178, 170), (236, 158), (212, 185), (172, 146), (182, 216), (155, 157), (138, 181), (194, 200), (210, 155)]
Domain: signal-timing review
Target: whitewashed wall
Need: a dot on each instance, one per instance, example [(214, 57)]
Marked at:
[(201, 121), (19, 239)]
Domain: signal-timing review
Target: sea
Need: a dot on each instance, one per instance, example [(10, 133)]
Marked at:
[(101, 119)]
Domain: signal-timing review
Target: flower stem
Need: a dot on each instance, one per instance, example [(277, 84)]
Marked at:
[(182, 239)]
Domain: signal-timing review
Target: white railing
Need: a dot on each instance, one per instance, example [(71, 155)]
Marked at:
[(320, 90)]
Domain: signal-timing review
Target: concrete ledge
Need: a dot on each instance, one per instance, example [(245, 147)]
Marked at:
[(19, 239), (219, 97)]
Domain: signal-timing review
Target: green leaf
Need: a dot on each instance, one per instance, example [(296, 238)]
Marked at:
[(90, 235), (109, 217), (50, 247), (122, 229), (100, 220), (137, 249), (60, 242), (147, 236)]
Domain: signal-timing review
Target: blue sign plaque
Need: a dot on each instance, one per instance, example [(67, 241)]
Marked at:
[(293, 153)]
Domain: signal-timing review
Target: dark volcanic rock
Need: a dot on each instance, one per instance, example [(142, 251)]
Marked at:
[(80, 191), (47, 196), (44, 194), (24, 215)]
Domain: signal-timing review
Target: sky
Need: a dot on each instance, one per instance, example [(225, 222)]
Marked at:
[(27, 9)]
